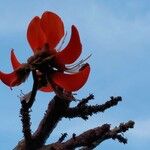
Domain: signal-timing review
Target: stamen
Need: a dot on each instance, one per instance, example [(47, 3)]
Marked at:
[(63, 41), (75, 64), (78, 64), (74, 70)]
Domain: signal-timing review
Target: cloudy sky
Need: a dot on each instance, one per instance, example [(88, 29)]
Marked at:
[(117, 33)]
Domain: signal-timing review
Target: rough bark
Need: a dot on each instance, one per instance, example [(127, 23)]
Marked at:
[(59, 108)]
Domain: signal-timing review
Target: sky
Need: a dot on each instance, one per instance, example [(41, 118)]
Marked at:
[(117, 34)]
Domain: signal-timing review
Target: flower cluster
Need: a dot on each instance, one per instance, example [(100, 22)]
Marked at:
[(53, 66)]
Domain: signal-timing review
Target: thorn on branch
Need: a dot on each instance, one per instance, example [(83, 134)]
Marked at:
[(74, 136), (120, 138), (62, 138), (84, 101)]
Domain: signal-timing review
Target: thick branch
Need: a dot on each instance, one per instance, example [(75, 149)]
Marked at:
[(26, 103), (34, 89), (92, 138), (29, 98), (115, 133), (88, 140), (84, 111), (53, 115), (25, 119)]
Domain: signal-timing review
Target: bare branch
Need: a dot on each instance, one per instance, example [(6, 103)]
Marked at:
[(84, 111), (34, 89), (26, 103), (113, 134), (53, 115), (25, 119), (93, 137), (88, 140)]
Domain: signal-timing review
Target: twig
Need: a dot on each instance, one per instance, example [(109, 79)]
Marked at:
[(84, 101)]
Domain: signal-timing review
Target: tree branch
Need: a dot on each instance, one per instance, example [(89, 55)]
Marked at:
[(25, 119), (58, 108), (92, 138), (26, 103), (84, 111), (34, 90), (114, 134), (53, 115)]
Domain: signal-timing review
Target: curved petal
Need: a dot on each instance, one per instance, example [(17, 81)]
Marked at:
[(10, 79), (72, 82), (35, 35), (72, 51), (47, 88), (14, 61), (53, 27)]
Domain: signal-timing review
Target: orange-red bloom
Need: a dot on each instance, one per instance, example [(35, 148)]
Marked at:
[(43, 35)]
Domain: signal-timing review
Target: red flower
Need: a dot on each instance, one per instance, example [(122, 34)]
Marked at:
[(43, 35)]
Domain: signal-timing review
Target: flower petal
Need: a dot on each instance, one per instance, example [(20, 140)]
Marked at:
[(72, 82), (10, 79), (35, 35), (47, 88), (14, 61), (72, 51), (53, 27)]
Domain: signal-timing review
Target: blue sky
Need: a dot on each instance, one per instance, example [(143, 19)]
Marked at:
[(117, 33)]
